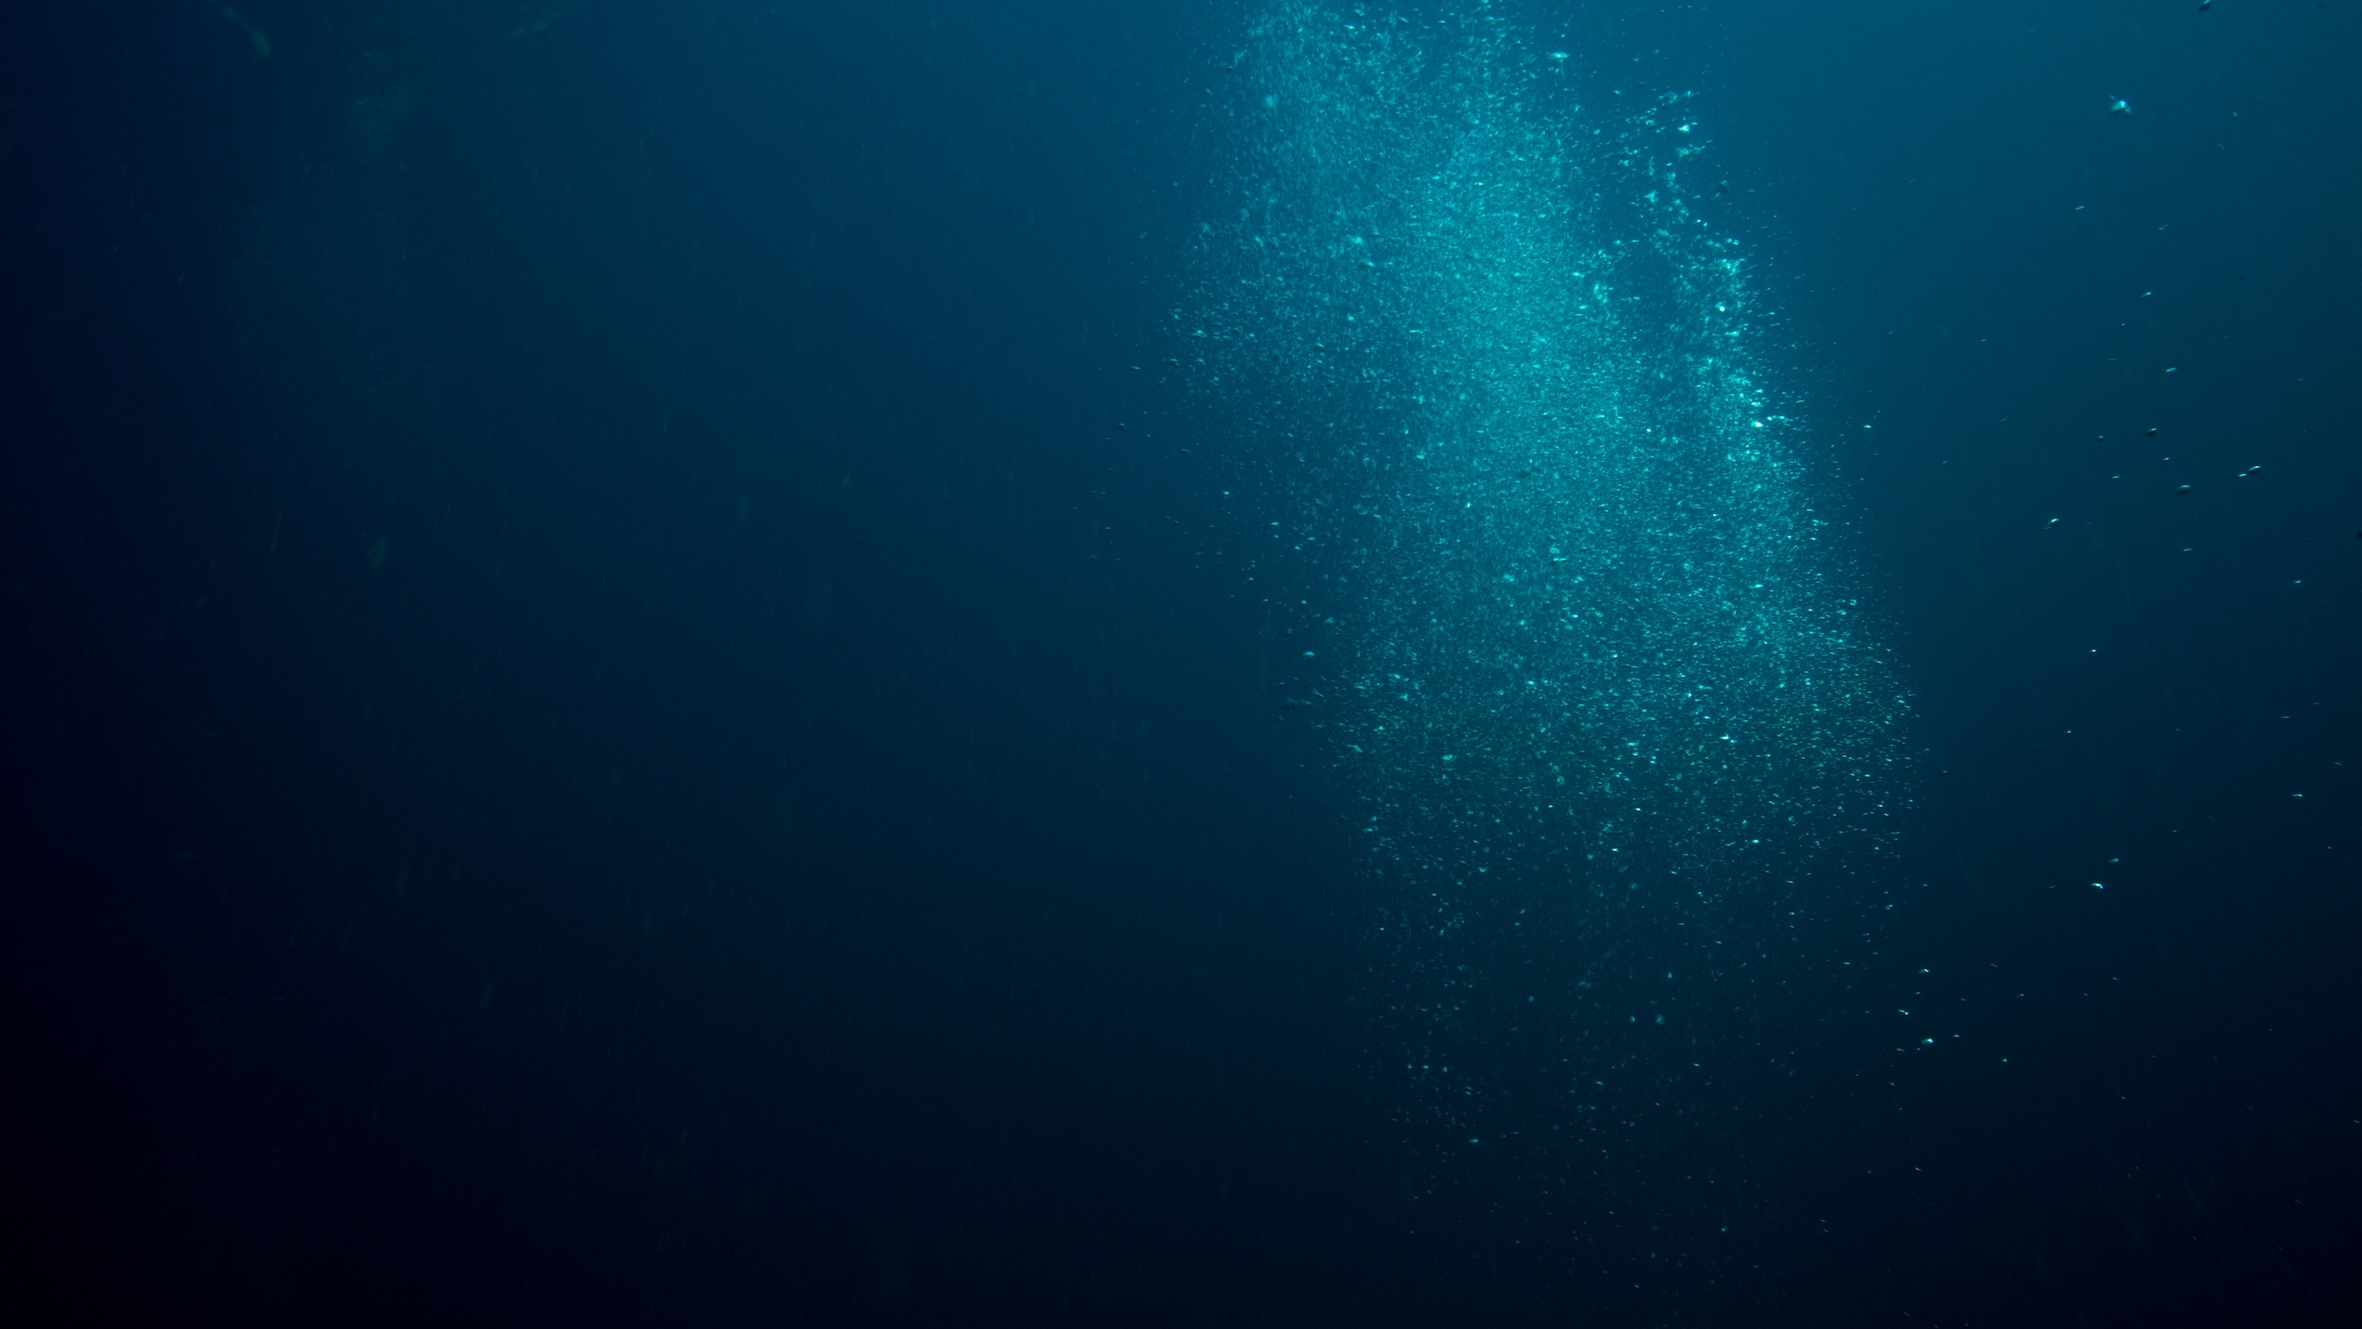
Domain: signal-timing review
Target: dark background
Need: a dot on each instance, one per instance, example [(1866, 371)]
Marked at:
[(599, 727)]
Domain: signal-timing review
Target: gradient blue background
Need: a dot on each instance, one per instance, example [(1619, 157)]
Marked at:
[(596, 726)]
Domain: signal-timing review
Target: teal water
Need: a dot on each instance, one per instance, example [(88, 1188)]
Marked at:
[(1178, 663)]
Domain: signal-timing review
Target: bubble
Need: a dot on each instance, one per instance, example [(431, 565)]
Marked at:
[(1590, 617)]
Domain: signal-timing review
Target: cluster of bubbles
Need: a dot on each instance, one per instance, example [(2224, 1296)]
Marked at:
[(1585, 641)]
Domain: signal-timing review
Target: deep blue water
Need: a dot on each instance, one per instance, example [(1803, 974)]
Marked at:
[(1052, 663)]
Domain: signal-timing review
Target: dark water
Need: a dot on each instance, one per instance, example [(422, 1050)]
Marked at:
[(895, 664)]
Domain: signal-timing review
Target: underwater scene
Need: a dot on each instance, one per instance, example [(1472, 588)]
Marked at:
[(1205, 662)]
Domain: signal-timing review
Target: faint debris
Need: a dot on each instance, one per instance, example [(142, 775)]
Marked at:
[(260, 39)]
